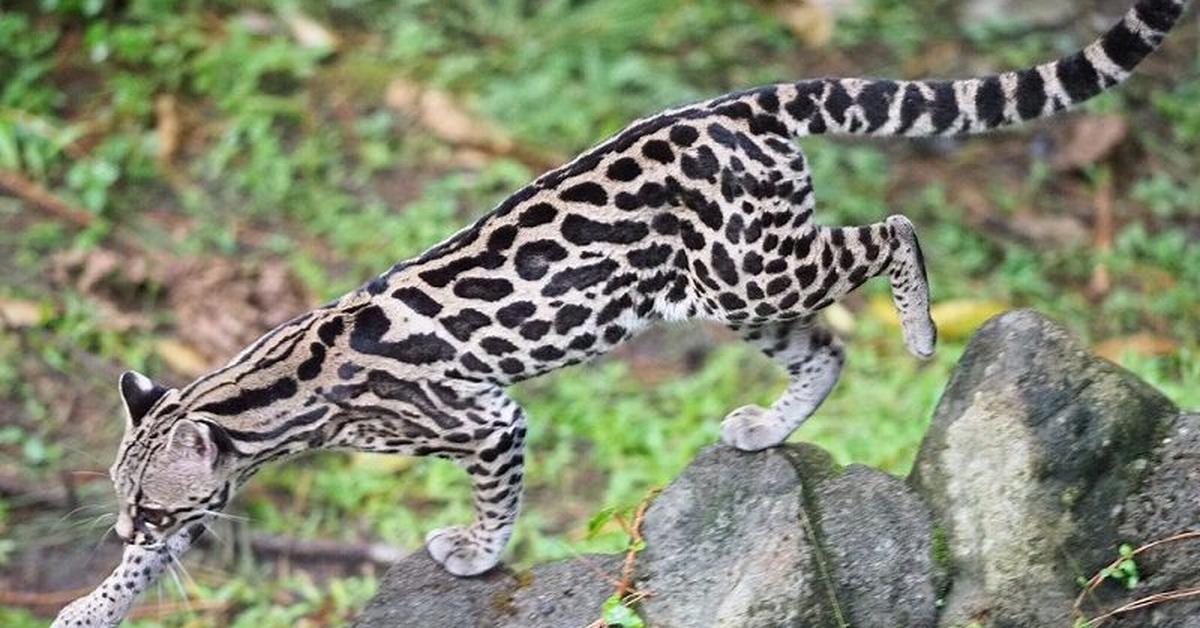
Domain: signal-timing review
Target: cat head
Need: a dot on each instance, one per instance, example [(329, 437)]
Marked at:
[(173, 467)]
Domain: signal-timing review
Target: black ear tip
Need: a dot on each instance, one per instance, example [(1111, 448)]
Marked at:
[(134, 382), (139, 393)]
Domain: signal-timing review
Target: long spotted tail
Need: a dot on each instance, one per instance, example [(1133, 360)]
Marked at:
[(929, 108)]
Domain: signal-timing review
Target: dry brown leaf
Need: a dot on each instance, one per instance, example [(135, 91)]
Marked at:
[(310, 33), (956, 319), (1049, 230), (1145, 345), (220, 305), (182, 357), (840, 319), (1093, 139), (16, 313), (223, 306), (438, 112), (811, 23)]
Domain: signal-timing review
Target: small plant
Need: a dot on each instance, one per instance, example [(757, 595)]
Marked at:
[(1125, 570), (619, 609)]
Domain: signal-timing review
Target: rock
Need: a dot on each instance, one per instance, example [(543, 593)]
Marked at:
[(877, 534), (729, 544), (1167, 504), (777, 538), (563, 593), (786, 538), (1032, 453), (418, 592), (1040, 461)]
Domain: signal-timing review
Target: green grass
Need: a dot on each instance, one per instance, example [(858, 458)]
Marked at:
[(291, 153)]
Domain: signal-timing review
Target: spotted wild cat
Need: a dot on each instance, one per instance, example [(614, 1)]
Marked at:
[(700, 212)]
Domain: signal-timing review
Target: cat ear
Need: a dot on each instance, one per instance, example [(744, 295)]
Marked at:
[(139, 394), (193, 440)]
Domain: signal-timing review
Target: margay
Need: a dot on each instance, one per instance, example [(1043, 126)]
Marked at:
[(701, 212)]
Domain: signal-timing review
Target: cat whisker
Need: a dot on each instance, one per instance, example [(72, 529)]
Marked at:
[(222, 515), (103, 538), (187, 576), (179, 585), (75, 510), (99, 519), (213, 532)]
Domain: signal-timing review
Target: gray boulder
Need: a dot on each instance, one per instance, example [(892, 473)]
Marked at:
[(1167, 503), (772, 539), (418, 592), (786, 538), (1033, 451)]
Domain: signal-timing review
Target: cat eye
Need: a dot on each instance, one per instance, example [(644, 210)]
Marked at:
[(152, 516)]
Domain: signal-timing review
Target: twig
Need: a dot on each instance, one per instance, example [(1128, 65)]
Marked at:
[(625, 585), (162, 609), (1099, 576), (1146, 602), (1150, 600), (30, 191), (57, 497), (30, 599), (625, 589), (1102, 240)]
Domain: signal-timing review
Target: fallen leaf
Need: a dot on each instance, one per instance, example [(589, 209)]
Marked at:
[(956, 319), (809, 22), (1144, 345), (840, 319), (310, 33), (1093, 139), (15, 313), (437, 111), (1048, 230), (181, 357), (382, 463)]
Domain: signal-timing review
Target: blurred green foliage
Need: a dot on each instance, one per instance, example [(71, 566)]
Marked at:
[(296, 142)]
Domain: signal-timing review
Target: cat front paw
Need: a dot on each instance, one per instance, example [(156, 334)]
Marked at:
[(460, 551), (752, 428)]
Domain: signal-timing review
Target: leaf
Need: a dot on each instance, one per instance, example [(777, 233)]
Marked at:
[(615, 613), (15, 313), (599, 520), (180, 357), (1144, 345), (956, 319), (394, 464), (440, 113), (310, 33), (1093, 139), (840, 319), (959, 319), (809, 21)]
